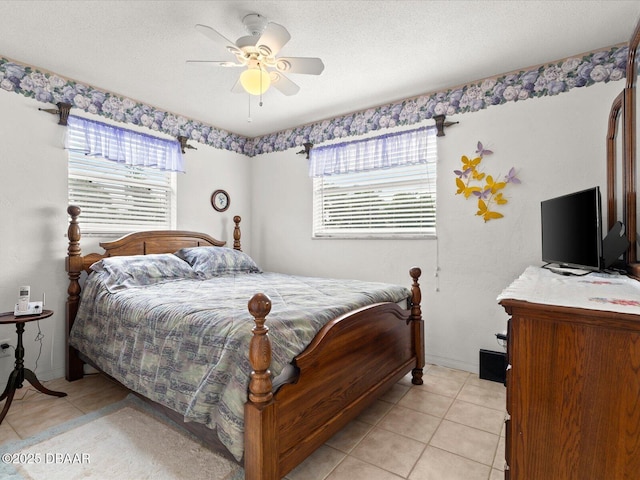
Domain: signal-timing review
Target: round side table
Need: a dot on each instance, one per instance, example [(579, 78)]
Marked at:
[(20, 373)]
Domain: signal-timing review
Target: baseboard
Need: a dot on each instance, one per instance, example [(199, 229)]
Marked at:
[(452, 363)]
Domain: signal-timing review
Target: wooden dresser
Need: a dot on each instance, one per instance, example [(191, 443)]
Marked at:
[(573, 381)]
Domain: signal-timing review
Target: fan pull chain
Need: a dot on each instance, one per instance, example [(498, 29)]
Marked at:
[(260, 67), (249, 119)]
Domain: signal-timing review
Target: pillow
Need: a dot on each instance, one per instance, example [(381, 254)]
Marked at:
[(210, 262), (139, 270)]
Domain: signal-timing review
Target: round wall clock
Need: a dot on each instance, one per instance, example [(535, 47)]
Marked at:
[(220, 200)]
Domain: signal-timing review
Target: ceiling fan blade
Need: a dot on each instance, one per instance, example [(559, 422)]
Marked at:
[(283, 84), (217, 37), (217, 63), (272, 39), (306, 65)]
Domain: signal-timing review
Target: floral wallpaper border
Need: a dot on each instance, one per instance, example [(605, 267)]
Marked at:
[(550, 79)]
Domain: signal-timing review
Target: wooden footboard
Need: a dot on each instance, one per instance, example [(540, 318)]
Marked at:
[(350, 363)]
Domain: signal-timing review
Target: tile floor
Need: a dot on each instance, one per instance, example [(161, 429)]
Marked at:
[(450, 428), (32, 412)]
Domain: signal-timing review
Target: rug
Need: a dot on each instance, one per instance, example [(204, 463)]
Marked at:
[(126, 440)]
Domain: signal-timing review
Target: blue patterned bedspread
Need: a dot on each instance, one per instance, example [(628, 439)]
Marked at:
[(185, 343)]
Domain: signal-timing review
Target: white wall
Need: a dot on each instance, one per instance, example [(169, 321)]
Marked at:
[(33, 203), (557, 145), (32, 214), (208, 170)]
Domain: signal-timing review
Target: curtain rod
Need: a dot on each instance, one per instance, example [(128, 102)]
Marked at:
[(64, 110)]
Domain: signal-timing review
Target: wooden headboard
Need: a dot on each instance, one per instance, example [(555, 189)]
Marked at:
[(138, 243)]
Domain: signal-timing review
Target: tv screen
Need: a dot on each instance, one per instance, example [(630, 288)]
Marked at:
[(572, 231)]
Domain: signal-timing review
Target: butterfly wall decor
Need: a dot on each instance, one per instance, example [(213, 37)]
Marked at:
[(473, 183)]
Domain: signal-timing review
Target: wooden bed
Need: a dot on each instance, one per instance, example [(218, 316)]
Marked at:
[(352, 360)]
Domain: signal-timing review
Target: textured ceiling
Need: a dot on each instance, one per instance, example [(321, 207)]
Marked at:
[(374, 52)]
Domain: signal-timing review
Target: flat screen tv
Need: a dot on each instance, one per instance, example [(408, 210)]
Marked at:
[(572, 230)]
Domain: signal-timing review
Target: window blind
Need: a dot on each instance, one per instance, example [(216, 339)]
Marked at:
[(116, 197), (386, 202)]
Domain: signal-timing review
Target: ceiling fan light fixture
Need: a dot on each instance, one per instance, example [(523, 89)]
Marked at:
[(258, 52), (255, 81)]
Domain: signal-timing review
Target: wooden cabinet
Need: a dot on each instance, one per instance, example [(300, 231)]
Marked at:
[(573, 381), (573, 393)]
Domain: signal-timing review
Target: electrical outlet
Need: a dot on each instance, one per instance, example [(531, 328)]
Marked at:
[(7, 352)]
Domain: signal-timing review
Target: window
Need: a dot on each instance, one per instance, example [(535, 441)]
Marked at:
[(117, 196), (376, 188)]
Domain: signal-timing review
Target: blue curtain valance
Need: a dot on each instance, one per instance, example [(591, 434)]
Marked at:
[(386, 151), (124, 146)]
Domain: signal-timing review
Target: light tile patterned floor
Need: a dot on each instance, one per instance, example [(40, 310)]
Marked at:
[(450, 428), (32, 412)]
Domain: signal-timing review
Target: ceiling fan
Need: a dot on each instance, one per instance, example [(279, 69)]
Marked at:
[(257, 52)]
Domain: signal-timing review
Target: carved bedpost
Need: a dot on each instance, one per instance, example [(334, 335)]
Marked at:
[(260, 387), (418, 326), (74, 366), (236, 233), (260, 422)]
